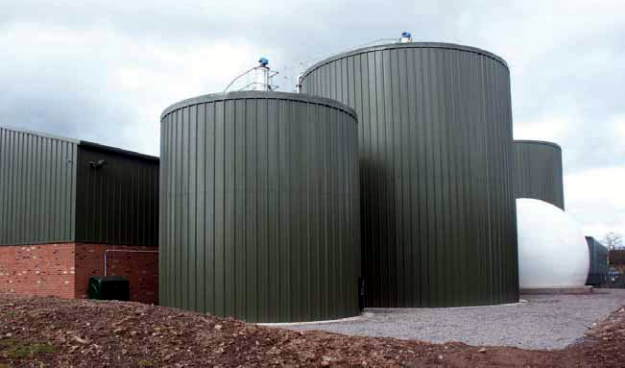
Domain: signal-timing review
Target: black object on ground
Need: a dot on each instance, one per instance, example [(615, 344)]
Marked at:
[(109, 288)]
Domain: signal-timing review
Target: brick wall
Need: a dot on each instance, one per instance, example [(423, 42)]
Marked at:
[(38, 269), (64, 269)]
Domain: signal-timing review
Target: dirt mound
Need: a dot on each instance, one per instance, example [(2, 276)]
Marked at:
[(52, 332)]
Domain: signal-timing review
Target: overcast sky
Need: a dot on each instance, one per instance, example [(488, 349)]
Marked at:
[(105, 70)]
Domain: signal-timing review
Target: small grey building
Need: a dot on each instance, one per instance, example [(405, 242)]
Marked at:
[(598, 272)]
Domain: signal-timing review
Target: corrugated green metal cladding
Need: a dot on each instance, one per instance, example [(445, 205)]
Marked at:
[(117, 196), (56, 189), (37, 188), (538, 171), (260, 207), (435, 137)]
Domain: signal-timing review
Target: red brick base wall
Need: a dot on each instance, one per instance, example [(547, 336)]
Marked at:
[(38, 269), (64, 269)]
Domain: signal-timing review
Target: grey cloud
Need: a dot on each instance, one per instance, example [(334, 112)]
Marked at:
[(577, 70)]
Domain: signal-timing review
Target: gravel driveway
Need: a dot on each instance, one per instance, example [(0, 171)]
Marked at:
[(543, 322)]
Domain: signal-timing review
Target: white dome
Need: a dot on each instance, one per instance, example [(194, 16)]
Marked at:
[(552, 248)]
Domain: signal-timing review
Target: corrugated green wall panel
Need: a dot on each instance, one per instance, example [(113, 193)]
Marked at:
[(37, 188), (260, 207), (116, 203), (49, 193), (435, 134), (538, 171)]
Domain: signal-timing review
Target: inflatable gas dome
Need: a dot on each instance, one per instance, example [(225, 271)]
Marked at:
[(552, 248)]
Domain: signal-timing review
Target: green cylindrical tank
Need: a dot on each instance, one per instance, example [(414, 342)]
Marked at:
[(435, 135), (538, 171), (260, 207)]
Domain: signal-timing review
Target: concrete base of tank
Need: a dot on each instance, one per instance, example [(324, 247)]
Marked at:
[(556, 291), (288, 324)]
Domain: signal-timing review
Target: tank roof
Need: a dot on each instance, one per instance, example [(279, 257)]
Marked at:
[(269, 95), (392, 46), (531, 141)]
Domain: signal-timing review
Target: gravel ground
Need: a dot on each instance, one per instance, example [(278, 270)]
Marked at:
[(51, 332), (543, 322)]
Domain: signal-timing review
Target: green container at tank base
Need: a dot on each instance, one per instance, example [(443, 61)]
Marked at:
[(260, 207), (109, 288)]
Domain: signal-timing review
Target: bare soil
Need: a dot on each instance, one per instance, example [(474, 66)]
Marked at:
[(52, 332)]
